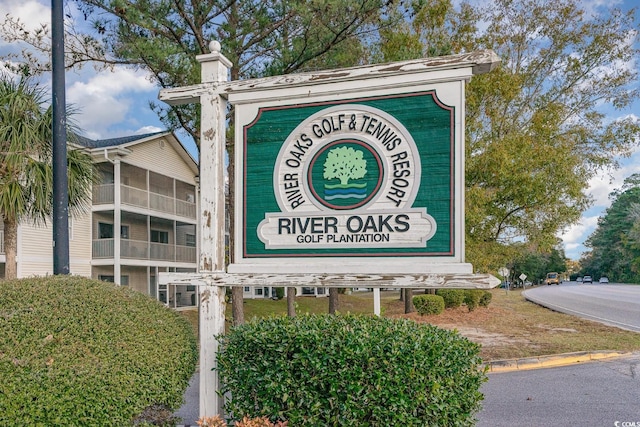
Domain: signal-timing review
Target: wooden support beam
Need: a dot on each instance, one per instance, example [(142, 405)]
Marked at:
[(410, 281)]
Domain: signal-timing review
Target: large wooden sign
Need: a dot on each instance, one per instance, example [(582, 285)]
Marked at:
[(352, 178)]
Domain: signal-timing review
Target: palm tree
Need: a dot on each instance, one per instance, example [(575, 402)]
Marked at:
[(26, 172)]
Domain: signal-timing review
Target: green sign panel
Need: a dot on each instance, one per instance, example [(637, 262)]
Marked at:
[(364, 177)]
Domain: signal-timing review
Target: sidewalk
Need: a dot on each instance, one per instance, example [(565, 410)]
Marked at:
[(189, 411)]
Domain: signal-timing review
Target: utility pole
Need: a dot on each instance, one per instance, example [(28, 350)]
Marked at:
[(60, 184)]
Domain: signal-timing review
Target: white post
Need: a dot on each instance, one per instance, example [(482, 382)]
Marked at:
[(214, 69), (376, 301)]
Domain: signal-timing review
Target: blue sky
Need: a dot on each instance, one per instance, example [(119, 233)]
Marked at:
[(115, 103)]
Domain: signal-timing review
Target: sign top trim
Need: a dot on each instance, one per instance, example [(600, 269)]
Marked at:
[(479, 62)]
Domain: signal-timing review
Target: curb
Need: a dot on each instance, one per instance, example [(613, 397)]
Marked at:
[(508, 365)]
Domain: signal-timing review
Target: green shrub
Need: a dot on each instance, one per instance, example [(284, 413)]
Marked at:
[(485, 299), (322, 370), (472, 298), (75, 351), (279, 293), (452, 297), (428, 304)]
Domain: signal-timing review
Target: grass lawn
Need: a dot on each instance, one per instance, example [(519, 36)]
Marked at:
[(510, 327)]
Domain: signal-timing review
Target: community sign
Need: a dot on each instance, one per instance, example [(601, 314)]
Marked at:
[(367, 178)]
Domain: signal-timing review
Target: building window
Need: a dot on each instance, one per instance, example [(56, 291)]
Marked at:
[(124, 280), (190, 240), (158, 236), (258, 291), (105, 231)]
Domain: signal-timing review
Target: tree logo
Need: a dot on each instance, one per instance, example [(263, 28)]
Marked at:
[(344, 174)]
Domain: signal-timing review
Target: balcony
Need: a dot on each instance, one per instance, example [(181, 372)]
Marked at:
[(142, 250), (136, 197)]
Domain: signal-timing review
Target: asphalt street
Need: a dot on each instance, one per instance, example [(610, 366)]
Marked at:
[(613, 304)]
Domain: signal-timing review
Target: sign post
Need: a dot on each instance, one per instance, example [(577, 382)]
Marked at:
[(343, 178), (504, 272)]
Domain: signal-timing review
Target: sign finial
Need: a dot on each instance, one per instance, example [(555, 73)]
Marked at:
[(214, 46)]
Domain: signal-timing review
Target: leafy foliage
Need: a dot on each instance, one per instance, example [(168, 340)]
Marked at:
[(428, 304), (472, 298), (534, 130), (535, 264), (350, 370), (615, 244), (75, 351), (452, 297), (485, 299)]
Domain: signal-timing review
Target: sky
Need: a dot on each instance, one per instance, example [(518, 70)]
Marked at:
[(116, 103)]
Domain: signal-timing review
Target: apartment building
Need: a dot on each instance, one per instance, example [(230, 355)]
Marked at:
[(143, 219)]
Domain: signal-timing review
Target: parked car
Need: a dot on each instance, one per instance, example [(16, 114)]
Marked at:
[(587, 279), (604, 280), (579, 279)]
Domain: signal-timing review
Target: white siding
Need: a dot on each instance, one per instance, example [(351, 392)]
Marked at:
[(159, 156), (80, 245), (36, 248)]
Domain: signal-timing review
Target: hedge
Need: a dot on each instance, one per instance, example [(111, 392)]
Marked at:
[(322, 370), (485, 299), (452, 297), (428, 304), (472, 298), (75, 351)]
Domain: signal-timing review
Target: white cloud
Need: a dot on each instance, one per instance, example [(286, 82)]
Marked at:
[(31, 12), (573, 238), (110, 98), (147, 129)]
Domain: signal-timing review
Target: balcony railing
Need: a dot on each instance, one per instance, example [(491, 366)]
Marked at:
[(103, 194), (132, 196), (142, 250)]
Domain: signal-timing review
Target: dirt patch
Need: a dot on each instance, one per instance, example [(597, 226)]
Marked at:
[(469, 325)]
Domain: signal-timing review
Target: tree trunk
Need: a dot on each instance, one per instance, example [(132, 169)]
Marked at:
[(237, 307), (408, 301), (333, 300), (10, 248), (237, 292), (291, 302)]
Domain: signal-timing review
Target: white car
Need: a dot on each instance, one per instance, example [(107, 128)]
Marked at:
[(603, 280)]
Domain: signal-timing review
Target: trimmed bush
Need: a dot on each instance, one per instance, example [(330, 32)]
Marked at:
[(485, 299), (323, 370), (472, 298), (453, 298), (279, 293), (428, 304), (75, 351)]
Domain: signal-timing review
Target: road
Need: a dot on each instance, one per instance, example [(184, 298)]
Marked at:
[(612, 304), (590, 394)]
